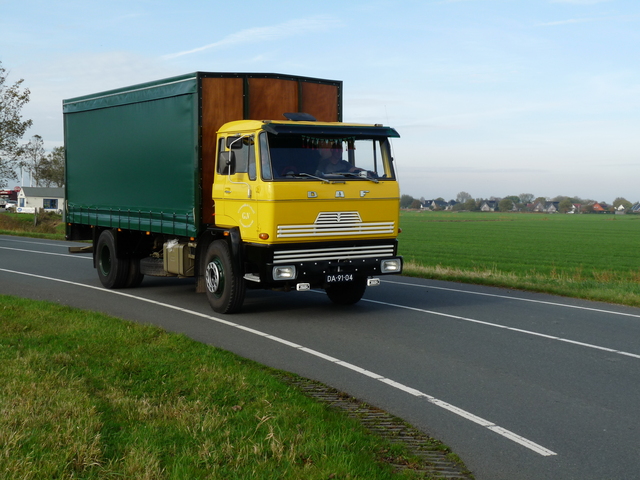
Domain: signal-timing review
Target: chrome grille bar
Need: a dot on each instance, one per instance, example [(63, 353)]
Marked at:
[(332, 254)]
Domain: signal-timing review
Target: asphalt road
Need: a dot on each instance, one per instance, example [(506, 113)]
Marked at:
[(519, 385)]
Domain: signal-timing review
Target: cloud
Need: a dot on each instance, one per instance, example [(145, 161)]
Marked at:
[(580, 2), (565, 22), (261, 34)]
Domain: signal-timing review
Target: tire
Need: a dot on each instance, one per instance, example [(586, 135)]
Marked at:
[(134, 278), (225, 286), (112, 271), (347, 293)]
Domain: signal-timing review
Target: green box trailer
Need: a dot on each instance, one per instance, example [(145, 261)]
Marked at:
[(141, 157)]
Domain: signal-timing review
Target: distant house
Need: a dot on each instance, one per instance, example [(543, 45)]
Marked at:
[(600, 207), (489, 206), (31, 199), (552, 207), (636, 208), (575, 208), (435, 205), (546, 207), (451, 204)]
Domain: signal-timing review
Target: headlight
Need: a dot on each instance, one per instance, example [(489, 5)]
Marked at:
[(285, 272), (393, 265)]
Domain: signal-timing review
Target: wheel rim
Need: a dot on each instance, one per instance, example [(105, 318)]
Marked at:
[(105, 261), (215, 277)]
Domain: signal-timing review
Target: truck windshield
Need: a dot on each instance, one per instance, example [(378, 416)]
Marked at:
[(304, 157)]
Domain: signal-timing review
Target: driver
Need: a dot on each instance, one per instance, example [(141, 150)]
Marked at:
[(332, 161)]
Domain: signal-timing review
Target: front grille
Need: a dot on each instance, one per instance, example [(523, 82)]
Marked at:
[(332, 254), (329, 224)]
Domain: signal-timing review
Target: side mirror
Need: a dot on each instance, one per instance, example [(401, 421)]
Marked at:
[(235, 142), (227, 163)]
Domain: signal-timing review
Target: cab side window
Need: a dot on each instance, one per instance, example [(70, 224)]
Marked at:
[(245, 158)]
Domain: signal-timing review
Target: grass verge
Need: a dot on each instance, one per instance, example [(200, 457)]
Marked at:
[(45, 225), (614, 290), (88, 396)]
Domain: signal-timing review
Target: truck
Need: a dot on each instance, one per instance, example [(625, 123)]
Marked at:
[(240, 180)]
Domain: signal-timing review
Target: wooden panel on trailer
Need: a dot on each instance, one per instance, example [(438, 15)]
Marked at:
[(321, 101), (222, 102), (269, 98)]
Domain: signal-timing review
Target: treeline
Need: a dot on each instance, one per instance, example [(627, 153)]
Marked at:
[(522, 203), (44, 169)]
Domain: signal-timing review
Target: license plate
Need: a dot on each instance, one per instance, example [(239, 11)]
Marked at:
[(340, 277)]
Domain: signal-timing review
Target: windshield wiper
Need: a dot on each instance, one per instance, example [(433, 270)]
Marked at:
[(357, 175), (308, 175), (303, 174)]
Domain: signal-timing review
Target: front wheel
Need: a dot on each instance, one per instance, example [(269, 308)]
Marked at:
[(134, 279), (225, 285), (347, 293)]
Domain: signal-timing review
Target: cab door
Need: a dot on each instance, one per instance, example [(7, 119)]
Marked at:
[(234, 189)]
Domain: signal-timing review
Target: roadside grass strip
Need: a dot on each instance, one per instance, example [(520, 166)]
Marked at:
[(89, 396)]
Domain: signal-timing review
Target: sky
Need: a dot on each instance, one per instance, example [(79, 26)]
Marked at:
[(490, 97)]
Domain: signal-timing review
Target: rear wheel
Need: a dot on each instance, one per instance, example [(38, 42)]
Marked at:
[(347, 293), (225, 285), (112, 271)]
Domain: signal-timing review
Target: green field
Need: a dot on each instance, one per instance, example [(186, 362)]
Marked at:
[(588, 256)]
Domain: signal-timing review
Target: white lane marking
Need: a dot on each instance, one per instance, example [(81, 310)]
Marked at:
[(504, 327), (539, 449), (60, 244), (544, 302), (75, 255)]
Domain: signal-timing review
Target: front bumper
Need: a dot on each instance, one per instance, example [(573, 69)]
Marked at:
[(317, 264)]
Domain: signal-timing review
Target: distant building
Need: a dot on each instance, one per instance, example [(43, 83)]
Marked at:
[(9, 195), (600, 207), (489, 206), (435, 205), (31, 199), (546, 207)]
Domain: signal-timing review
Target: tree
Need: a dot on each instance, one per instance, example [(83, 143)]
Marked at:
[(622, 201), (470, 205), (463, 197), (505, 205), (541, 200), (416, 204), (526, 198), (12, 127), (52, 172), (32, 158), (565, 205), (406, 201)]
